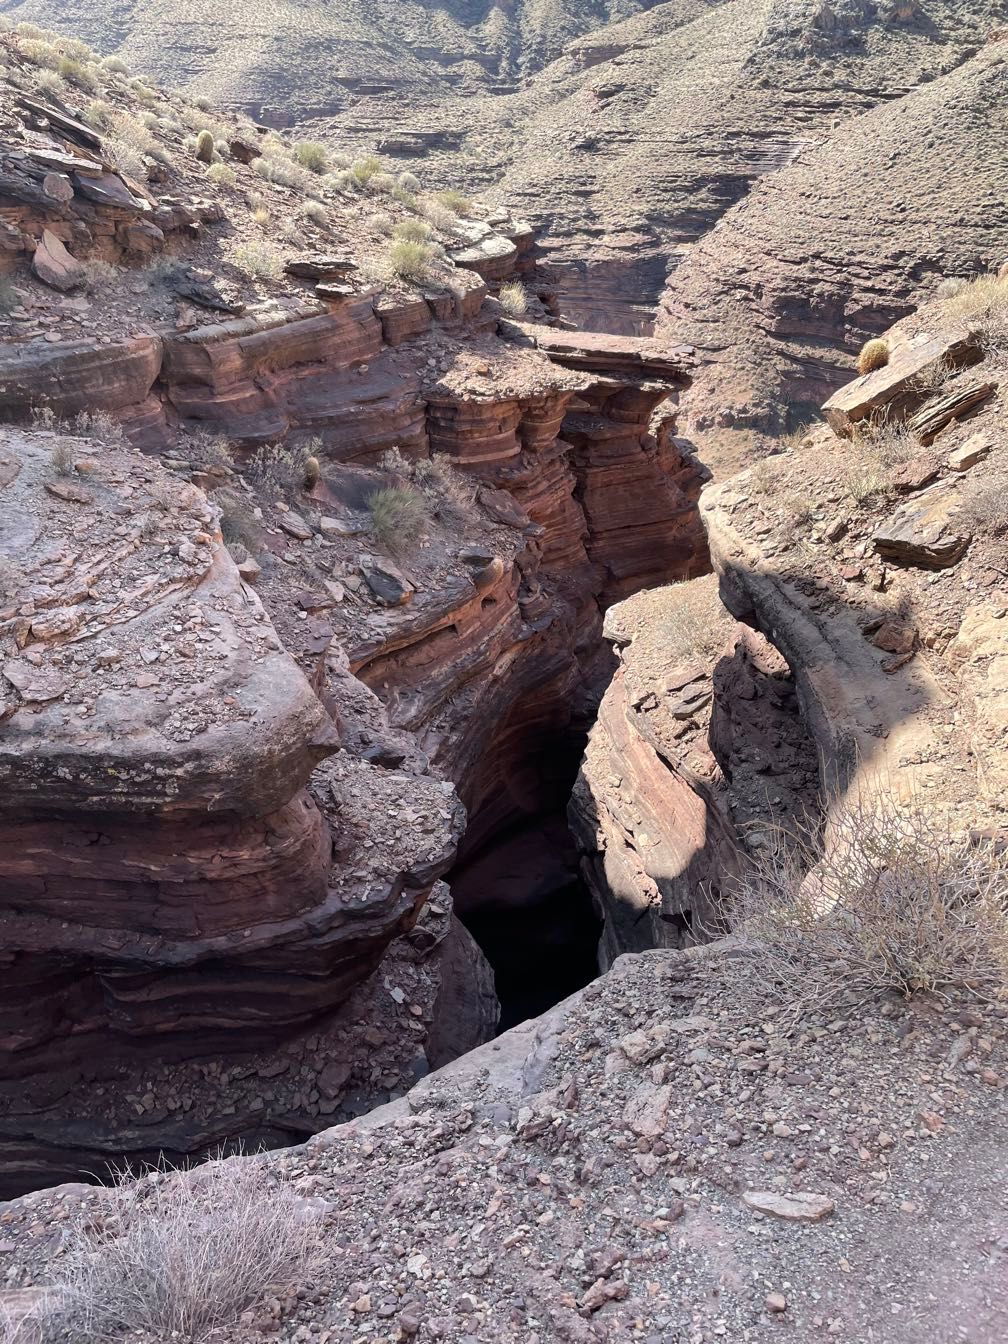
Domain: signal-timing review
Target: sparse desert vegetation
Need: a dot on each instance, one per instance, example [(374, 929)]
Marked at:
[(513, 298), (399, 517), (412, 261), (189, 1254), (873, 897)]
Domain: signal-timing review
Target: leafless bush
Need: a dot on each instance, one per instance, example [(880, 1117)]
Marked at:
[(986, 512), (933, 378), (449, 494), (62, 458), (99, 425), (874, 898), (875, 450), (798, 508), (283, 468), (191, 1251)]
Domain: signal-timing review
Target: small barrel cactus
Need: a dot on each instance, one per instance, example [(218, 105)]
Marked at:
[(874, 355), (205, 147), (312, 473)]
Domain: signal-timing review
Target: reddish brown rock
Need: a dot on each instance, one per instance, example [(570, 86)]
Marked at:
[(54, 265)]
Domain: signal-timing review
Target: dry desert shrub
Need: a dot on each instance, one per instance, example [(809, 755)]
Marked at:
[(61, 458), (874, 355), (312, 154), (439, 216), (411, 261), (190, 1253), (456, 202), (77, 73), (316, 213), (694, 622), (872, 898), (364, 169), (399, 517), (257, 257), (985, 296), (284, 468), (513, 298), (383, 184), (876, 449), (101, 427), (985, 513), (222, 175), (413, 230)]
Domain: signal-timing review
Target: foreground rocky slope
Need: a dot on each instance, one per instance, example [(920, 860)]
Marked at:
[(649, 1161)]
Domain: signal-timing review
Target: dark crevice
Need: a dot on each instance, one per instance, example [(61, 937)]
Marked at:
[(519, 892)]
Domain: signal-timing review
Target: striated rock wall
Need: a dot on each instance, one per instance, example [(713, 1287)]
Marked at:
[(698, 742), (224, 806), (169, 889)]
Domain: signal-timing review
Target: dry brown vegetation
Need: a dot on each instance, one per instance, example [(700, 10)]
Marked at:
[(873, 898), (513, 298), (699, 624), (185, 1254), (986, 295)]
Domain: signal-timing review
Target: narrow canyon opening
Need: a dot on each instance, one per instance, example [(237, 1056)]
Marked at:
[(518, 890)]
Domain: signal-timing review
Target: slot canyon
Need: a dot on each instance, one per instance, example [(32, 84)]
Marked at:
[(503, 583)]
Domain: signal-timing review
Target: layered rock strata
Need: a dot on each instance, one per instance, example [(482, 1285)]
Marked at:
[(697, 746), (169, 889)]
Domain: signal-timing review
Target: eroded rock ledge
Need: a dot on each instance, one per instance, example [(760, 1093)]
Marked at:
[(697, 745)]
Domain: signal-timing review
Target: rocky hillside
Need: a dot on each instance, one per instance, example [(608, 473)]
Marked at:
[(629, 151), (630, 147), (833, 248), (289, 61)]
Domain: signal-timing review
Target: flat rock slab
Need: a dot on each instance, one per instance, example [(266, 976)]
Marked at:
[(599, 351), (901, 384), (295, 526), (108, 189), (974, 450), (316, 266), (388, 585), (800, 1207), (922, 533), (54, 265)]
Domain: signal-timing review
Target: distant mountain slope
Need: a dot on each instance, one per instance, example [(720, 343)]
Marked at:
[(625, 158), (292, 58), (834, 248)]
